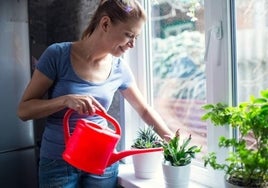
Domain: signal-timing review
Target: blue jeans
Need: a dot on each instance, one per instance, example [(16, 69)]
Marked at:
[(59, 174)]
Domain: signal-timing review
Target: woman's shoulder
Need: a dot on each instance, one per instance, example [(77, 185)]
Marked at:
[(56, 53), (58, 49), (60, 46)]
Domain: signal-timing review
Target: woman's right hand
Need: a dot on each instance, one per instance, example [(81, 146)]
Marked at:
[(83, 104)]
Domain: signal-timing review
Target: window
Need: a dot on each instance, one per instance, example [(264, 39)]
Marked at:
[(219, 57), (173, 79), (178, 69), (251, 41)]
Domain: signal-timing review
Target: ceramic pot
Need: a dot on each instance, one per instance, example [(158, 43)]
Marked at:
[(146, 165), (176, 176)]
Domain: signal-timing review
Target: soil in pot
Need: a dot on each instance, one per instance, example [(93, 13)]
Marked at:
[(236, 182)]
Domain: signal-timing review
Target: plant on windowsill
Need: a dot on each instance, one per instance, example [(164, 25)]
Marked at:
[(178, 155), (145, 164), (147, 138), (245, 166)]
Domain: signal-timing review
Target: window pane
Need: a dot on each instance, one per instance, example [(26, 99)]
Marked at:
[(178, 46), (252, 45)]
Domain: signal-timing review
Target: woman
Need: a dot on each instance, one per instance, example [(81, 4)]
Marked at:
[(84, 75)]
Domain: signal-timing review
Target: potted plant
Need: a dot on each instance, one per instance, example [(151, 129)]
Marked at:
[(178, 155), (145, 164), (245, 166)]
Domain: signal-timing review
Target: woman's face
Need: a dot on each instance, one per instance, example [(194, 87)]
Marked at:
[(123, 36)]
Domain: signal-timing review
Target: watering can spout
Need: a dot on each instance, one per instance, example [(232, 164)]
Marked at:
[(116, 156)]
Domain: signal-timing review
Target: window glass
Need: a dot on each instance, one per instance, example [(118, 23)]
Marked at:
[(252, 44), (179, 80)]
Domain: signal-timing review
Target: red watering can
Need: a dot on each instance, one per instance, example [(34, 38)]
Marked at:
[(91, 147)]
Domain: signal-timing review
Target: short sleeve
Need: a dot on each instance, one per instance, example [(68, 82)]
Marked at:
[(47, 63)]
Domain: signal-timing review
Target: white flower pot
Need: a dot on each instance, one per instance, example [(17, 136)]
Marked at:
[(176, 176), (146, 165)]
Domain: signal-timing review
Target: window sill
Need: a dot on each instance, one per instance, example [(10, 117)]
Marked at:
[(127, 179)]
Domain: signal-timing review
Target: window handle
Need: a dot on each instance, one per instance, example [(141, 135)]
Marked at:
[(215, 30)]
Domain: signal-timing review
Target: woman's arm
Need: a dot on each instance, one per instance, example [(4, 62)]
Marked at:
[(147, 113), (33, 106)]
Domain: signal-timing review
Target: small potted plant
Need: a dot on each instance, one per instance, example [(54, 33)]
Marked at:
[(145, 164), (178, 154), (245, 165)]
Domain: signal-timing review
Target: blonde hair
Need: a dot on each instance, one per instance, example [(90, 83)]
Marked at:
[(117, 11)]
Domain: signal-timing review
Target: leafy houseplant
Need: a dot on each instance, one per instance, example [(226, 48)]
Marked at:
[(178, 155), (177, 152), (147, 138), (145, 165), (244, 166)]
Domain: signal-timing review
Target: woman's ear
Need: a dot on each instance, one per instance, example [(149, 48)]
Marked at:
[(105, 23)]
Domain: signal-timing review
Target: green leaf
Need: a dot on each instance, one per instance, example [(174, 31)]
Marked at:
[(248, 158), (147, 138), (179, 154)]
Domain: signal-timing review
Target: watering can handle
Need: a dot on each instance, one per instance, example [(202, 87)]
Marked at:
[(98, 112)]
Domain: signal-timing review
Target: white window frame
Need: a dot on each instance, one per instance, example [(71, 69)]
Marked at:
[(136, 59), (218, 72)]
